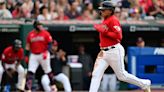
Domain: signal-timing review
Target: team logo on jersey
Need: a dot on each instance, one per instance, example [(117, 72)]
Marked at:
[(38, 38), (118, 28), (105, 26)]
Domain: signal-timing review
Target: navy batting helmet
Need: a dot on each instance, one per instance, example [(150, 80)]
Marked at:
[(107, 5), (17, 43)]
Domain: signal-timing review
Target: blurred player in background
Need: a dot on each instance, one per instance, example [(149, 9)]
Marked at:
[(112, 52), (109, 80), (87, 63), (11, 59), (39, 43), (140, 42), (58, 59)]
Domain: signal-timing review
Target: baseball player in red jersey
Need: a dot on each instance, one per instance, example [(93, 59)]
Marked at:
[(112, 52), (11, 59), (38, 43)]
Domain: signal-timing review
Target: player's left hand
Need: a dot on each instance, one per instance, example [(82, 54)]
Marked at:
[(101, 28)]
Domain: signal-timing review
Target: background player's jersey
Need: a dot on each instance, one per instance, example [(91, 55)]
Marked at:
[(9, 56), (39, 41)]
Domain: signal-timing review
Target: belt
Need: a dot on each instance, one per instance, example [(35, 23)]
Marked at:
[(107, 48)]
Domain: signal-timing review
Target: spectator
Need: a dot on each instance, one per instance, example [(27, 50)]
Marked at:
[(109, 80), (4, 13), (85, 16), (44, 3), (89, 8), (36, 10), (10, 5), (27, 8), (140, 42), (87, 63), (72, 13), (61, 15), (52, 8), (118, 12), (45, 15), (157, 9), (17, 12), (62, 4), (133, 14)]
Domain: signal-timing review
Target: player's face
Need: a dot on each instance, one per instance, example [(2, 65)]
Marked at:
[(105, 13), (141, 44), (40, 27)]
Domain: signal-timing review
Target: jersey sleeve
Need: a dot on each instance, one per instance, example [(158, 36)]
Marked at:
[(28, 38), (4, 55), (115, 30), (48, 37), (21, 54)]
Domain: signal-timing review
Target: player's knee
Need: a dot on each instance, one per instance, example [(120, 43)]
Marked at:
[(45, 80), (1, 71), (30, 75), (21, 71)]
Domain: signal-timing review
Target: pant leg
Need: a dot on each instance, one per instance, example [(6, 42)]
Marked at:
[(65, 81), (112, 82), (33, 63), (105, 82), (32, 66), (21, 77), (99, 68), (117, 64), (45, 83), (45, 63), (1, 73)]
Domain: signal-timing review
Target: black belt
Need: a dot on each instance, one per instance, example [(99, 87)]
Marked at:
[(108, 48)]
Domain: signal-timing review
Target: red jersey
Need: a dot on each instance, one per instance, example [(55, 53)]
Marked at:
[(39, 41), (114, 34), (9, 56)]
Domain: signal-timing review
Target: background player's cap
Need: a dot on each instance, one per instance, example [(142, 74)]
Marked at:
[(17, 43), (55, 43), (107, 5), (140, 39)]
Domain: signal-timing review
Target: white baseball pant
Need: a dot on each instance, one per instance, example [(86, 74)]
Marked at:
[(109, 82), (61, 78), (21, 74), (36, 59), (115, 58)]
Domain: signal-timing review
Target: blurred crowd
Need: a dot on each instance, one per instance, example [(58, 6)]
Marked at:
[(80, 9)]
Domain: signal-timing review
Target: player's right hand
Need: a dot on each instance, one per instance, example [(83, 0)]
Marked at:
[(44, 55)]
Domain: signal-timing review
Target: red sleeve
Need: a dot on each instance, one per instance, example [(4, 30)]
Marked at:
[(48, 37), (21, 54), (28, 38), (114, 30), (4, 55)]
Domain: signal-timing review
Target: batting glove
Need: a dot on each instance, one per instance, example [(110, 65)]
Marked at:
[(102, 28)]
